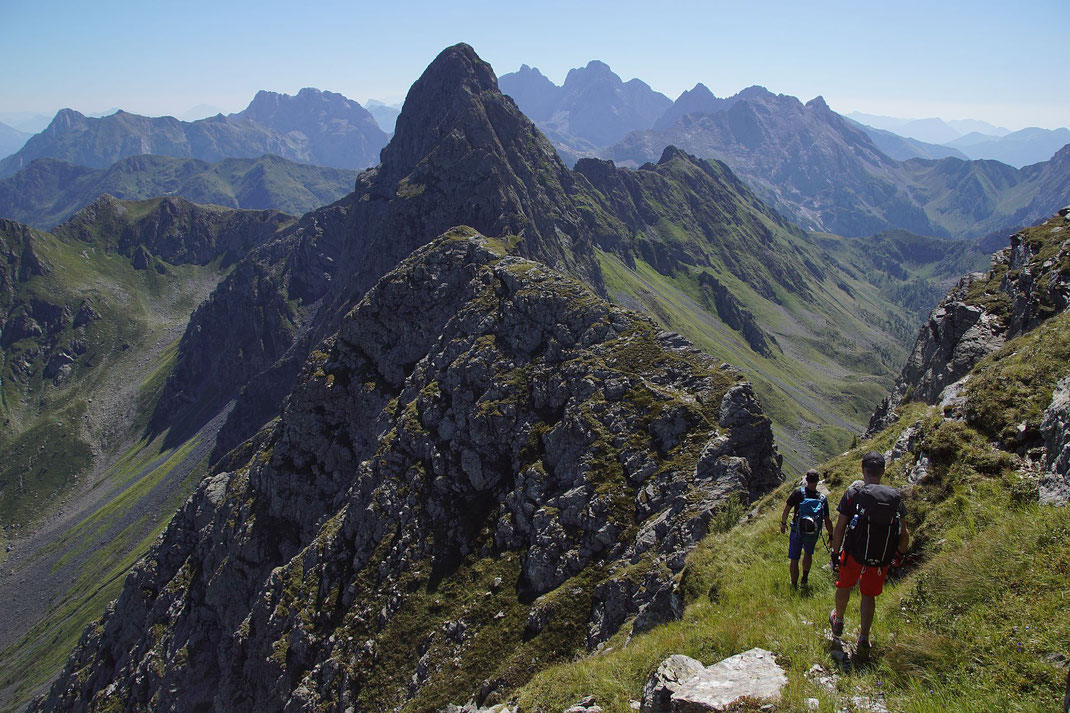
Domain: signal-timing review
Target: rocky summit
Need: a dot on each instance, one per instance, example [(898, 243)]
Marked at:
[(486, 469)]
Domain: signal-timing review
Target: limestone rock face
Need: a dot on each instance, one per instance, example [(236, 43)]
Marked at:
[(752, 674), (1028, 284), (663, 683), (1055, 428), (486, 466)]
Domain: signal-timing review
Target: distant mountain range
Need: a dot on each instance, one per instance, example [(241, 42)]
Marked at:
[(385, 114), (48, 191), (11, 139), (1018, 149), (931, 130), (593, 105), (315, 127), (827, 172), (902, 148), (969, 137)]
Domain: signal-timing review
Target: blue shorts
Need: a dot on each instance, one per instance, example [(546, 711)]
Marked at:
[(796, 544)]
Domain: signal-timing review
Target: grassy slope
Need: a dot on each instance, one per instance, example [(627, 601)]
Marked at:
[(820, 389), (137, 309), (975, 622), (82, 497), (97, 553)]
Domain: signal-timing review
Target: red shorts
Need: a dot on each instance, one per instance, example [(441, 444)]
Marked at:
[(851, 571)]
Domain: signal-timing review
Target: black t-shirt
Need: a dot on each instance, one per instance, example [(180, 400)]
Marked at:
[(796, 498), (846, 508)]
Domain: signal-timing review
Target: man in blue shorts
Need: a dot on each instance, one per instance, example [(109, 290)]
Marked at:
[(811, 513)]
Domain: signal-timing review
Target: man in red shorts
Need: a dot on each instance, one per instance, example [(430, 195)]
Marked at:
[(879, 509)]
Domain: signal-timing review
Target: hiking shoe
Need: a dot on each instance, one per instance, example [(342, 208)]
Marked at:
[(862, 647), (836, 623)]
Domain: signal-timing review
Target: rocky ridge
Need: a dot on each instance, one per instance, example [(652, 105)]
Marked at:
[(1027, 284), (479, 422), (1027, 289)]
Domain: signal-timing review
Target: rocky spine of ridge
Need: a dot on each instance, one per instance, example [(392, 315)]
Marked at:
[(462, 153), (172, 229), (485, 470)]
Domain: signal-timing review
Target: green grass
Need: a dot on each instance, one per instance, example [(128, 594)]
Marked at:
[(976, 621), (103, 556), (818, 391)]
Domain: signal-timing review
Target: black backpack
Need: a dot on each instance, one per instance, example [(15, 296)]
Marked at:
[(873, 533)]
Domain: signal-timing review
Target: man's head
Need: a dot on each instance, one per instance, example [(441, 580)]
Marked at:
[(812, 476), (872, 467)]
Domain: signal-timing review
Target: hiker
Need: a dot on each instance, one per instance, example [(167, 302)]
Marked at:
[(873, 535), (811, 512)]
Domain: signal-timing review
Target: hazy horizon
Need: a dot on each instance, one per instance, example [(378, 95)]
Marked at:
[(911, 61)]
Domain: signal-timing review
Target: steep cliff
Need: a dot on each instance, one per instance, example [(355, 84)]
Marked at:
[(485, 470), (1029, 282), (462, 154), (994, 356)]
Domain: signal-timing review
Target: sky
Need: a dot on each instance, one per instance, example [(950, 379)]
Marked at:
[(1001, 62)]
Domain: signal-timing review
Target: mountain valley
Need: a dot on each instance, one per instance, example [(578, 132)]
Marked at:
[(473, 427)]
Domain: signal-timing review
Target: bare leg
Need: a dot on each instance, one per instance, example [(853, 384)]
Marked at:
[(807, 559), (794, 569), (867, 607), (843, 595)]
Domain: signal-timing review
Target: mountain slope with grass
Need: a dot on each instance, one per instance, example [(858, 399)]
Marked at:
[(486, 470), (973, 621), (48, 191), (90, 318)]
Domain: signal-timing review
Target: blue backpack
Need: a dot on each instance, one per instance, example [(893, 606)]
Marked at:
[(808, 516)]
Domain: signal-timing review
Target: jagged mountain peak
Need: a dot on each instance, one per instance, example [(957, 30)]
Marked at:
[(448, 97), (818, 102), (672, 152), (699, 89), (65, 119)]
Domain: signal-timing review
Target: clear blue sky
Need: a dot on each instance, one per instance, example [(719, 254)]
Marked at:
[(1003, 62)]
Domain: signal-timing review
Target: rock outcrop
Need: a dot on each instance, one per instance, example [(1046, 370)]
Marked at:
[(683, 685), (672, 673), (1055, 428), (1029, 283), (486, 469)]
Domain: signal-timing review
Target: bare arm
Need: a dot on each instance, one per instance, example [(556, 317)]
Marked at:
[(837, 536), (784, 518), (904, 538)]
